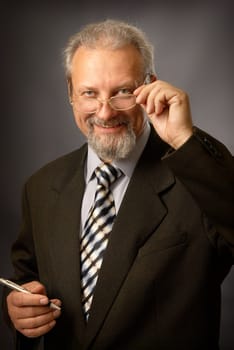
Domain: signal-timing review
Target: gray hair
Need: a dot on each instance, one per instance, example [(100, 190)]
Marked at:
[(111, 34)]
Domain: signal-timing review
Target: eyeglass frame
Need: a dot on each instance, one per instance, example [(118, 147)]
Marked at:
[(147, 80)]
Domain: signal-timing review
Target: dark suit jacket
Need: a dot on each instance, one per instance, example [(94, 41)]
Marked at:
[(169, 251)]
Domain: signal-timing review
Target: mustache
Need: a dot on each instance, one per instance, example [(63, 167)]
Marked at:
[(93, 120)]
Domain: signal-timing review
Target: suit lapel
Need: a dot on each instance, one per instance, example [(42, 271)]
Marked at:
[(140, 213), (65, 226)]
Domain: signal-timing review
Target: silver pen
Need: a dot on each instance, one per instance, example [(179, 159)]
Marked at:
[(19, 288)]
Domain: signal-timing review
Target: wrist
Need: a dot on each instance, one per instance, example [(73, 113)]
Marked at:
[(181, 139)]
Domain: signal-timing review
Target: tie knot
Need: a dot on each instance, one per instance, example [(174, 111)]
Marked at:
[(107, 174)]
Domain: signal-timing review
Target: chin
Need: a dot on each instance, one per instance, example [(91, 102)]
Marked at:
[(113, 146)]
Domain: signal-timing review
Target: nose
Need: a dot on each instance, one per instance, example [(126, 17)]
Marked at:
[(105, 110)]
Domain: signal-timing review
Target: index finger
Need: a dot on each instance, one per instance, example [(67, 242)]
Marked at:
[(28, 299), (137, 91)]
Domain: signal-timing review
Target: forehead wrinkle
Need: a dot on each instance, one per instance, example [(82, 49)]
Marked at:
[(105, 69)]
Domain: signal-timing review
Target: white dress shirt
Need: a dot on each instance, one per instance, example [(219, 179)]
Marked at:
[(127, 167)]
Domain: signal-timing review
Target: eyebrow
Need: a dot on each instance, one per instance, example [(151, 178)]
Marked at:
[(124, 84), (128, 84)]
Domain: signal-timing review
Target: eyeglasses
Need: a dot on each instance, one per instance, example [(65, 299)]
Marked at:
[(91, 105)]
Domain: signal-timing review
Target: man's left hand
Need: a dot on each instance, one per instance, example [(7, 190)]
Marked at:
[(169, 111)]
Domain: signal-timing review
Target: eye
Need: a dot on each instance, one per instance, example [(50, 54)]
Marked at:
[(124, 91), (88, 93)]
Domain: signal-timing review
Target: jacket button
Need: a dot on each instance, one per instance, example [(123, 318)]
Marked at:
[(211, 148)]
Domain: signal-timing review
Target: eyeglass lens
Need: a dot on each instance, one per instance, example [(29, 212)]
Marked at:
[(117, 102)]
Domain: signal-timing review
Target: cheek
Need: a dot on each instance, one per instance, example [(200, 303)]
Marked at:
[(81, 122)]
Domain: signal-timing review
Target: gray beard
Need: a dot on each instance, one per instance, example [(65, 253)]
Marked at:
[(111, 147)]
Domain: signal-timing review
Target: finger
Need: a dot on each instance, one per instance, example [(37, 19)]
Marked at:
[(162, 97), (157, 103), (155, 96), (153, 105), (57, 302), (20, 299), (149, 79), (137, 91), (35, 326), (31, 311), (37, 320), (147, 98), (142, 93), (37, 331)]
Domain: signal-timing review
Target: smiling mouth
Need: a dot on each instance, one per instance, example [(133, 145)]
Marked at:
[(104, 126), (115, 123)]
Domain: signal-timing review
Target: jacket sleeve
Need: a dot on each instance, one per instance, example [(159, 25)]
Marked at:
[(25, 270), (206, 168), (23, 251)]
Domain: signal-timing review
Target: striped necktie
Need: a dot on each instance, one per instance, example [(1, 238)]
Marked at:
[(97, 228)]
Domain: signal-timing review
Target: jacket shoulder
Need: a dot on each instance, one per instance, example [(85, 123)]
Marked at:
[(59, 170)]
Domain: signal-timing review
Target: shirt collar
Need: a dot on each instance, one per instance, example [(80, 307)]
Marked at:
[(126, 165)]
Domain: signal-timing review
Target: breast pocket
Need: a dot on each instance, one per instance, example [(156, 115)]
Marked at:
[(163, 243)]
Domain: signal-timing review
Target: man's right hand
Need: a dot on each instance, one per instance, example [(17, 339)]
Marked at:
[(30, 313)]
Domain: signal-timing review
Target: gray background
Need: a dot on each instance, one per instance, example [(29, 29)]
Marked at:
[(193, 50)]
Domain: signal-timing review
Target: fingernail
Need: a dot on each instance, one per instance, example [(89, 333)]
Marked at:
[(56, 313), (44, 301)]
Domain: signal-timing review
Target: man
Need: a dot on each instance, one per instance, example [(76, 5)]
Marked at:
[(166, 241)]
